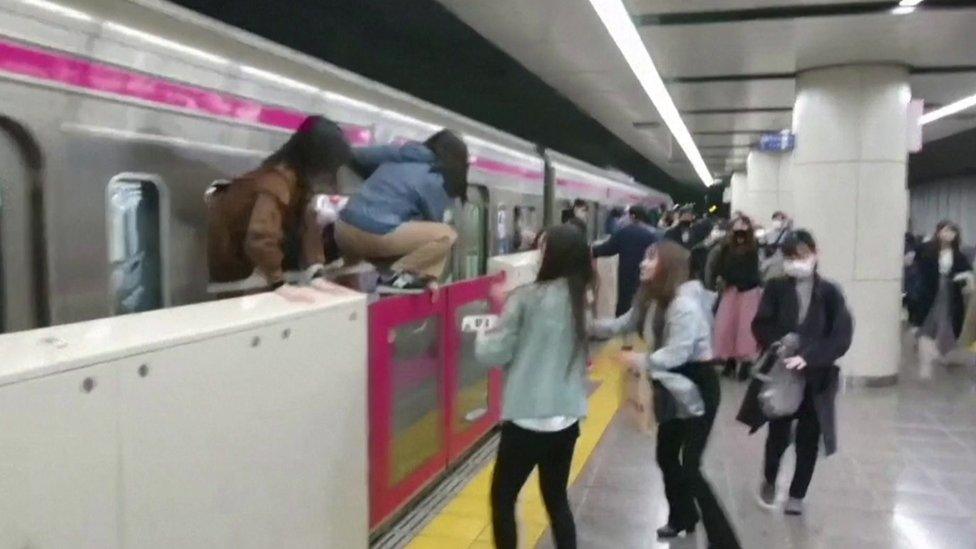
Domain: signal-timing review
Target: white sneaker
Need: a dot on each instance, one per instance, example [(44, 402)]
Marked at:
[(766, 498)]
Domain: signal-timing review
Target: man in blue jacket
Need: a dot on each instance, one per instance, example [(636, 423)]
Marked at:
[(399, 213), (630, 244)]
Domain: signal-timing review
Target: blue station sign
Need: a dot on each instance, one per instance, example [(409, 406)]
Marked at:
[(777, 142)]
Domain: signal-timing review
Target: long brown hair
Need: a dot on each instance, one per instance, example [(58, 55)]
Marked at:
[(568, 256), (673, 270)]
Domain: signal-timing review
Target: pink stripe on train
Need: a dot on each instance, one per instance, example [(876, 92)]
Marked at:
[(88, 75)]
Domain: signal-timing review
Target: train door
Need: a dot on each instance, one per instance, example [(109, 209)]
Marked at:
[(16, 271), (471, 251), (136, 242)]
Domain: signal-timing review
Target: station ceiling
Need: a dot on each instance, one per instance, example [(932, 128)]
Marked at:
[(729, 65)]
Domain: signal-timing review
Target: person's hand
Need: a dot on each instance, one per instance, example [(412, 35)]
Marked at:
[(633, 360), (795, 363), (498, 293)]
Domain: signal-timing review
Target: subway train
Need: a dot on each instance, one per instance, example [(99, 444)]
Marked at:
[(116, 118)]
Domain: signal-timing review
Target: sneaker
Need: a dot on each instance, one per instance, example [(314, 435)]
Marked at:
[(767, 495), (794, 507), (401, 284)]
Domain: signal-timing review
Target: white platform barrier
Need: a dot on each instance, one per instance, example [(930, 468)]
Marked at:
[(519, 269), (233, 424)]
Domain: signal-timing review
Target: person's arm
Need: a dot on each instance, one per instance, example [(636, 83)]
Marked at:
[(609, 248), (498, 346), (767, 316), (682, 330), (262, 243), (824, 349), (609, 327)]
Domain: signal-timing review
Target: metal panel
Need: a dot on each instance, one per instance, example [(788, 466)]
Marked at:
[(16, 304), (59, 462)]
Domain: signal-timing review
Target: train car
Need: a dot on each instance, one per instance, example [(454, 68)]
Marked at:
[(116, 117)]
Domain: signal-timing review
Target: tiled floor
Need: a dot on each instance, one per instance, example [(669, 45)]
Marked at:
[(905, 476)]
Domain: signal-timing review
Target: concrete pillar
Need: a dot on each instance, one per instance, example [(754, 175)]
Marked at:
[(739, 186), (763, 183), (849, 188)]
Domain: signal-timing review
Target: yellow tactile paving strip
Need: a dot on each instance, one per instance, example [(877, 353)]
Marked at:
[(465, 523)]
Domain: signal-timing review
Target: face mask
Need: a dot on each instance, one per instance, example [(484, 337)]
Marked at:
[(740, 236), (777, 224), (800, 268)]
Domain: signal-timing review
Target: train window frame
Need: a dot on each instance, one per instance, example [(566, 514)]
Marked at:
[(164, 212), (478, 194)]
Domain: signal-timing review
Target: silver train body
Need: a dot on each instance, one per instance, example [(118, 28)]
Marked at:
[(116, 116)]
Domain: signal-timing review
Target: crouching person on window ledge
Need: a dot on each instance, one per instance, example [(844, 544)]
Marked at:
[(398, 215), (261, 224), (810, 310)]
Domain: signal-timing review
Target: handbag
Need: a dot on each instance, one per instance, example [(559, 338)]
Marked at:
[(782, 389)]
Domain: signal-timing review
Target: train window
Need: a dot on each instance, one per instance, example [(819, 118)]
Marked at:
[(418, 420), (137, 227), (471, 251)]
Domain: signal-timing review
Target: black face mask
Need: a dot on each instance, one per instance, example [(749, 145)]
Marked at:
[(740, 236)]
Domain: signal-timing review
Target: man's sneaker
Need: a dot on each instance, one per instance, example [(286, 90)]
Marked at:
[(794, 507), (767, 495), (402, 283)]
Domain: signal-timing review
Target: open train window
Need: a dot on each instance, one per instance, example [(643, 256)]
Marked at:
[(471, 251), (137, 206)]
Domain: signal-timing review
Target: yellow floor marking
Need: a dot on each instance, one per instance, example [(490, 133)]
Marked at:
[(465, 523)]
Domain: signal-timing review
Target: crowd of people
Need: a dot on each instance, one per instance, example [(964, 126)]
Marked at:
[(705, 295)]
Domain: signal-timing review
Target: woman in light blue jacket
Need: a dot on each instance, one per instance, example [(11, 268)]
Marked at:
[(675, 313), (541, 343)]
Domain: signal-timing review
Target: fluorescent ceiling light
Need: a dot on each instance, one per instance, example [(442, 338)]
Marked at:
[(621, 27), (903, 10), (59, 9), (163, 42), (277, 78), (909, 3), (948, 110)]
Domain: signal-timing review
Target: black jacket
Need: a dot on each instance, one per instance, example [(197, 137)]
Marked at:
[(926, 286), (630, 245), (825, 336), (738, 269)]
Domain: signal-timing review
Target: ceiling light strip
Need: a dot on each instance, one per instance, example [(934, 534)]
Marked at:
[(948, 110), (621, 27)]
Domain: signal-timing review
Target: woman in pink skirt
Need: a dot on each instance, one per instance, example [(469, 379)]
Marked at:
[(737, 270)]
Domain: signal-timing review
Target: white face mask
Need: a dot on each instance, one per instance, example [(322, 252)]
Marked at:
[(800, 268), (777, 224)]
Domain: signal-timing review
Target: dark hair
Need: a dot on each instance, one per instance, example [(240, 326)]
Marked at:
[(944, 224), (568, 256), (318, 147), (616, 212), (580, 203), (793, 240), (452, 162), (750, 243), (640, 214), (778, 214)]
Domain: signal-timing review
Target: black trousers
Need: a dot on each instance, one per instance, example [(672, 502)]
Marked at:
[(807, 446), (680, 445), (520, 451)]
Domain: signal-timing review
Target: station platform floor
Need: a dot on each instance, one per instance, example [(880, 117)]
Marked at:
[(904, 476)]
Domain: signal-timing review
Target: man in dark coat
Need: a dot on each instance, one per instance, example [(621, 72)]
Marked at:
[(686, 232), (814, 309), (630, 244)]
